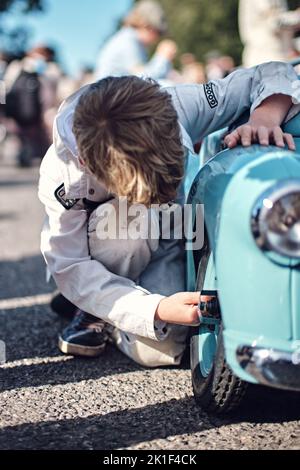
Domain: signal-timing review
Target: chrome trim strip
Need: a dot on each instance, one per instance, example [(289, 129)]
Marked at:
[(271, 367)]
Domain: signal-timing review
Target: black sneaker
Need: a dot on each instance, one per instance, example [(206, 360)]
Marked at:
[(86, 335)]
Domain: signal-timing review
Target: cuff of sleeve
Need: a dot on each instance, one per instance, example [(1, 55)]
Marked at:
[(154, 329), (270, 91), (292, 112), (277, 79), (135, 313)]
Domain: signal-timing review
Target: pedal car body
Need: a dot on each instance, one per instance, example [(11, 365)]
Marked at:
[(250, 264)]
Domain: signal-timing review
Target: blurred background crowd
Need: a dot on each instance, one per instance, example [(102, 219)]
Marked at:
[(172, 41)]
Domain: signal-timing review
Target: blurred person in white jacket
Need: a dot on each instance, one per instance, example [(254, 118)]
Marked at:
[(126, 53), (267, 29)]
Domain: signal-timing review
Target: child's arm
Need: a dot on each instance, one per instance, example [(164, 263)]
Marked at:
[(203, 109)]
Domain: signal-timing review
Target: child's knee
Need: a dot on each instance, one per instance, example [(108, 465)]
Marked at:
[(150, 353)]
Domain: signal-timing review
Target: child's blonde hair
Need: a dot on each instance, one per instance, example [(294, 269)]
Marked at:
[(128, 135)]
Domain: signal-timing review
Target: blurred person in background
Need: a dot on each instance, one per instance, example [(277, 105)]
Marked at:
[(30, 92), (126, 53), (227, 65), (192, 71), (267, 29), (65, 86), (218, 66), (4, 60), (86, 76)]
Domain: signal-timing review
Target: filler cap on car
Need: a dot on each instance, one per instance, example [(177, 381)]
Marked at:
[(210, 309)]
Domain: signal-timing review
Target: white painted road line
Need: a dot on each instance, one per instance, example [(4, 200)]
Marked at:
[(37, 361)]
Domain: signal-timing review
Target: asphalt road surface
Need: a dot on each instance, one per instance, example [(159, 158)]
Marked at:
[(50, 401)]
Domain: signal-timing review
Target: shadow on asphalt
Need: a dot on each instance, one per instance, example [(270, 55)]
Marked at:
[(266, 405), (121, 429), (261, 404), (30, 333), (24, 277), (19, 182), (110, 431), (73, 370)]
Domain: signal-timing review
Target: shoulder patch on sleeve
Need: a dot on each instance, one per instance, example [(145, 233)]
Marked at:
[(210, 95), (60, 195)]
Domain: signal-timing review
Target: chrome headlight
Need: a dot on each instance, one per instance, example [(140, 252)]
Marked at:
[(275, 219)]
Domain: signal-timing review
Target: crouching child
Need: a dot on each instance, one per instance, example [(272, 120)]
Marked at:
[(126, 139)]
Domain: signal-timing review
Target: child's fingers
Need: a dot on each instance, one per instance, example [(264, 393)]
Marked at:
[(191, 315), (263, 135), (241, 135), (191, 298), (232, 139), (278, 137), (246, 135), (195, 316), (289, 139)]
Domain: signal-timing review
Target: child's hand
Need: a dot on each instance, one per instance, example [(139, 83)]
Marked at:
[(264, 125), (181, 309), (263, 135)]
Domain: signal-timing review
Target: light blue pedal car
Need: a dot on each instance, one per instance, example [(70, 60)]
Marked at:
[(249, 266)]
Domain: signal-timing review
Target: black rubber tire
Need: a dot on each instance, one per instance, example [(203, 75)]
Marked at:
[(221, 391)]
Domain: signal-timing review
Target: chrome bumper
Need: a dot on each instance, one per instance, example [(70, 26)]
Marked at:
[(271, 367)]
